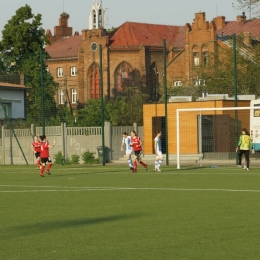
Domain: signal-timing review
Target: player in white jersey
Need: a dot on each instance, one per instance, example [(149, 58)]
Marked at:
[(158, 151), (128, 149)]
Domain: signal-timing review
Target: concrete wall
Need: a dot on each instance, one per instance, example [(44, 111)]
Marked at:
[(16, 149)]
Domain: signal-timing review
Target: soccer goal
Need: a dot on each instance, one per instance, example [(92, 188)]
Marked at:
[(209, 136)]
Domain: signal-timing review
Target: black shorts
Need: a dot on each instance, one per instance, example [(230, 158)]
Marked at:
[(44, 160), (138, 153), (37, 154)]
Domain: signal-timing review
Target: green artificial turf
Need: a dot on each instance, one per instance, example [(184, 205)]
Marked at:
[(107, 212)]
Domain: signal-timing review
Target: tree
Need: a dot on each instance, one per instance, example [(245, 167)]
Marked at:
[(112, 29), (252, 7), (219, 72), (124, 110), (22, 52)]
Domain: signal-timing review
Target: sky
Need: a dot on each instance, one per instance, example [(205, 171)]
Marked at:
[(168, 12)]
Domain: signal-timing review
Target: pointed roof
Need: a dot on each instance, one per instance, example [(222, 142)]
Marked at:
[(137, 34)]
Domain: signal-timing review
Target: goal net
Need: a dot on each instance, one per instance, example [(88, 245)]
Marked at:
[(209, 136)]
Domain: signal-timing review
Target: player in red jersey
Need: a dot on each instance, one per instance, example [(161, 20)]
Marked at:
[(36, 147), (137, 147), (45, 156)]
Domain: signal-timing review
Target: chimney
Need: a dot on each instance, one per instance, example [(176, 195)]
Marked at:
[(220, 21), (247, 38), (63, 21), (241, 18), (48, 33), (22, 82)]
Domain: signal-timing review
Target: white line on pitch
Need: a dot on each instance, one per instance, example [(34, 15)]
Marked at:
[(119, 188)]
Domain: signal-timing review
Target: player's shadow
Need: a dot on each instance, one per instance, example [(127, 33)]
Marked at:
[(50, 226)]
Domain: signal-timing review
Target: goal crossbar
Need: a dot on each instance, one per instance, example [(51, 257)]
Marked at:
[(198, 109)]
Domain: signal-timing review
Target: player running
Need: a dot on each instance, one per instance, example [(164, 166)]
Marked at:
[(36, 147), (137, 147), (128, 149), (158, 151), (45, 156)]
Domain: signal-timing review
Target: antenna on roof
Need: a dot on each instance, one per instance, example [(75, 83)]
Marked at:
[(250, 9), (63, 6)]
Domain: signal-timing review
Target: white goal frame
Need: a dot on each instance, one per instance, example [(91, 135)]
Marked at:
[(179, 110)]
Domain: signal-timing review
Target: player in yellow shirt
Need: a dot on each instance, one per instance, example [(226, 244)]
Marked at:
[(243, 147)]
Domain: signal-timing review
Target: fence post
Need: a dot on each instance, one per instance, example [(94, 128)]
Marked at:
[(108, 138), (135, 127), (32, 130), (3, 144), (63, 144)]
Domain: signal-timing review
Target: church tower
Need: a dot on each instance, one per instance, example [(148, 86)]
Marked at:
[(97, 16)]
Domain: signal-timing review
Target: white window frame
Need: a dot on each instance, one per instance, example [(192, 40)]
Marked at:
[(74, 96), (196, 59), (60, 97), (200, 82), (59, 72), (73, 71), (177, 83)]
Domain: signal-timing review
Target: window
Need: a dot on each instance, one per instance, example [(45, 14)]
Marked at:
[(205, 58), (177, 83), (257, 110), (196, 59), (59, 72), (5, 110), (73, 96), (73, 71), (61, 97), (200, 82), (124, 77), (94, 82)]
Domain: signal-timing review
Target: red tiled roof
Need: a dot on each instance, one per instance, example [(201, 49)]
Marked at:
[(66, 47), (234, 27), (137, 34), (10, 85)]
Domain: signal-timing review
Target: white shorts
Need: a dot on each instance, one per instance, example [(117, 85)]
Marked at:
[(128, 151), (159, 155)]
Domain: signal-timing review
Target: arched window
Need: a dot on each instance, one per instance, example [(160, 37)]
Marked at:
[(196, 58), (124, 77), (94, 82), (94, 19), (205, 54)]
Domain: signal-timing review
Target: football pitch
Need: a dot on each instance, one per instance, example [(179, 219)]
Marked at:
[(107, 212)]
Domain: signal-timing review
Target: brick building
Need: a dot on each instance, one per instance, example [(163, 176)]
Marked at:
[(132, 55)]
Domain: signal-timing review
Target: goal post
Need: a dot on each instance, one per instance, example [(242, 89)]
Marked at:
[(209, 136)]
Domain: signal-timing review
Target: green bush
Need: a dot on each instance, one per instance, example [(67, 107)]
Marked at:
[(74, 159), (89, 158), (58, 158)]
